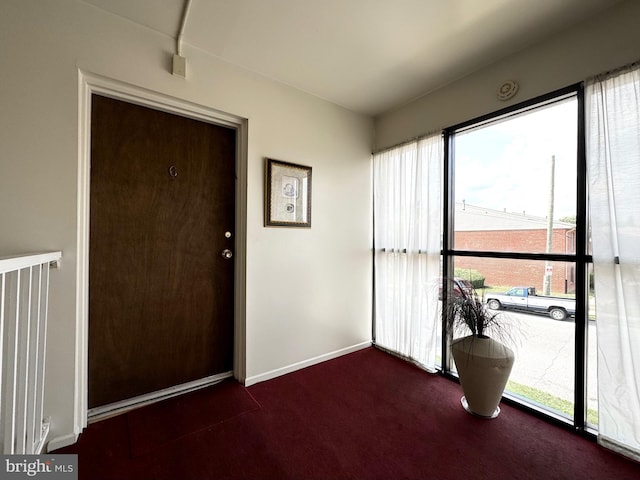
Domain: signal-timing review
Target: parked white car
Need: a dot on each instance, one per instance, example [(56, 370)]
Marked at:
[(526, 299)]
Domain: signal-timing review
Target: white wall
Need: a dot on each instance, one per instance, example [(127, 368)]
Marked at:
[(308, 290), (608, 41)]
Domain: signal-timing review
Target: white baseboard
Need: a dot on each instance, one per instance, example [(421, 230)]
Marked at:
[(305, 363), (124, 406), (70, 439), (62, 441), (618, 447)]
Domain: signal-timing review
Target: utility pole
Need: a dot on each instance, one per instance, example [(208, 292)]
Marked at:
[(548, 268)]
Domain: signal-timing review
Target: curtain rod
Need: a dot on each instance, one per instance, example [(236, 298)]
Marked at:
[(410, 140), (614, 72)]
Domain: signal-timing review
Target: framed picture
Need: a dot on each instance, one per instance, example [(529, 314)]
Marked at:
[(287, 200)]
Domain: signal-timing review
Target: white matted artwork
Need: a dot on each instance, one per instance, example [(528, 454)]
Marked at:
[(287, 194)]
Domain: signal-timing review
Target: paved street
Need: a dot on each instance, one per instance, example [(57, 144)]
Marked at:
[(545, 356)]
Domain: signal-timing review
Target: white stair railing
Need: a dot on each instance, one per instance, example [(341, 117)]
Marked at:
[(24, 293)]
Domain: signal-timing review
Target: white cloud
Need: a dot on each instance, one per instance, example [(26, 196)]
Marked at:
[(506, 165)]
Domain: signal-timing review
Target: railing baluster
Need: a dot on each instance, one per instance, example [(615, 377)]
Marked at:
[(11, 359), (24, 285), (22, 376), (3, 283), (32, 371), (41, 424)]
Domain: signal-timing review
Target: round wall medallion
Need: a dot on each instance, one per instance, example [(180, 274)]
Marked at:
[(507, 90)]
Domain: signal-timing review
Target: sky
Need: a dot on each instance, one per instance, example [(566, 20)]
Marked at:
[(507, 165)]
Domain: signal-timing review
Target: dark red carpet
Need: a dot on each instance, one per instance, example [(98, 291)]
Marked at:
[(167, 421), (366, 415)]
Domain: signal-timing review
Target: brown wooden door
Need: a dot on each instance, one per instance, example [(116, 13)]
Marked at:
[(160, 291)]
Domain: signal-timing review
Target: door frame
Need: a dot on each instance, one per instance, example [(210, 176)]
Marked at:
[(89, 84)]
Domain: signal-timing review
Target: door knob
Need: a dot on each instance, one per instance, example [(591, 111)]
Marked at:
[(226, 253)]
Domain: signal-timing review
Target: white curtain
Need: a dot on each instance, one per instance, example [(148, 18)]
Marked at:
[(613, 169), (408, 217)]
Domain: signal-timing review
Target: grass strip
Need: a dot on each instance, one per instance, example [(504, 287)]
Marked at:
[(550, 401)]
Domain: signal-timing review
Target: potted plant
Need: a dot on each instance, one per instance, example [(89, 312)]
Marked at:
[(484, 363)]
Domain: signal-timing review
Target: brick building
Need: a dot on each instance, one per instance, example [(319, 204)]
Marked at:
[(485, 229)]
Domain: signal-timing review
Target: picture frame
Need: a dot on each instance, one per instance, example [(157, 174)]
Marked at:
[(287, 194)]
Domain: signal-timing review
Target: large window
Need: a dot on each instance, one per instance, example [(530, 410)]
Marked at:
[(500, 202), (515, 218)]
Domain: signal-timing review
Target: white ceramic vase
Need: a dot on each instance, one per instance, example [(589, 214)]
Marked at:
[(484, 366)]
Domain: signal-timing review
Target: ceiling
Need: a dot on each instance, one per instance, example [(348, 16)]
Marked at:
[(367, 55)]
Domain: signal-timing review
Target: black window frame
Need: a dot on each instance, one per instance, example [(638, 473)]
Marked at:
[(580, 258)]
